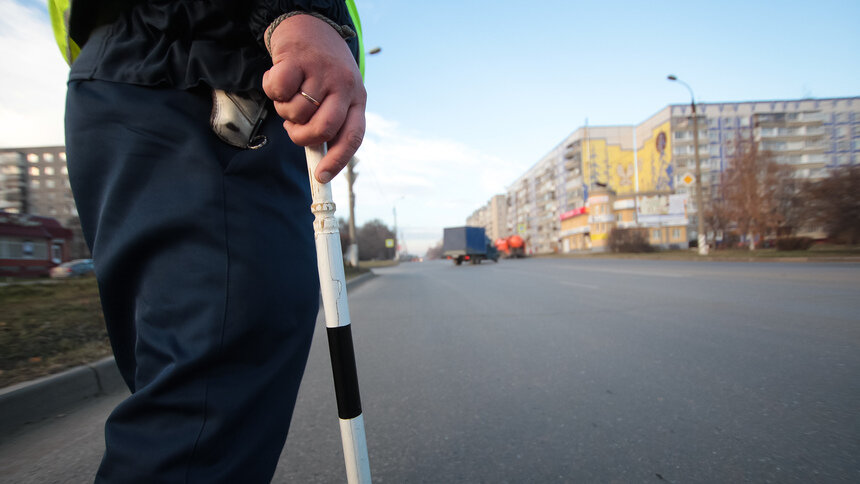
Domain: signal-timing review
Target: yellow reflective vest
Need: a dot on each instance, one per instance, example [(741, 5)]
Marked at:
[(60, 11)]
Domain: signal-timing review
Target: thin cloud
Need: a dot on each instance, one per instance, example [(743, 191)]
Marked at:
[(432, 182), (32, 78)]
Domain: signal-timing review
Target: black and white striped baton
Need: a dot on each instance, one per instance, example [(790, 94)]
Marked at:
[(333, 288)]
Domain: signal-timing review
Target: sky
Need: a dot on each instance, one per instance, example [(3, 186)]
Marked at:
[(465, 96)]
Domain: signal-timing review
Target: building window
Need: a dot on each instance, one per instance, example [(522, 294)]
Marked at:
[(33, 158), (49, 157), (12, 170), (63, 155), (34, 183), (50, 184), (34, 171), (655, 235), (49, 170), (676, 234)]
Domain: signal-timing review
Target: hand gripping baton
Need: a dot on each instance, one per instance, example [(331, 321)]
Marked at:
[(333, 287)]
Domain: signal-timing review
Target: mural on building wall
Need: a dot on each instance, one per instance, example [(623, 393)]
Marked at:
[(656, 170), (608, 164)]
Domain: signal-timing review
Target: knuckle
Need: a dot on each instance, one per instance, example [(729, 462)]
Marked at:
[(353, 139), (340, 163), (328, 129), (361, 91)]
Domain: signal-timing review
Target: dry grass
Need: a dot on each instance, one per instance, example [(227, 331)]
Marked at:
[(48, 327)]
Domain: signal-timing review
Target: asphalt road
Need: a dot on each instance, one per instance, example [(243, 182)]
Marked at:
[(564, 370)]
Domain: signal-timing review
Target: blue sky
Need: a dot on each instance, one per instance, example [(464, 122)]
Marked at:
[(467, 95)]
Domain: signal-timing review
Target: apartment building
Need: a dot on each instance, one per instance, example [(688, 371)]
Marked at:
[(35, 181), (492, 216), (657, 157)]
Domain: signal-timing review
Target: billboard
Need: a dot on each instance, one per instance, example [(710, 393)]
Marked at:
[(663, 209)]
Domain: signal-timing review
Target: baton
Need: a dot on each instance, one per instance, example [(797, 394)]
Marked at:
[(333, 289)]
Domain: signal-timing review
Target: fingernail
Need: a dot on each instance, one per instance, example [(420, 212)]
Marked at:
[(324, 177)]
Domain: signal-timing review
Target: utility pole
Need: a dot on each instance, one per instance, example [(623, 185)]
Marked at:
[(702, 239), (396, 237), (396, 242), (352, 250)]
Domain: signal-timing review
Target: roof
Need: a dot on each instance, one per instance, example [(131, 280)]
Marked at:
[(25, 225)]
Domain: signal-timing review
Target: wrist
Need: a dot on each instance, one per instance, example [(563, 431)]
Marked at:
[(345, 31)]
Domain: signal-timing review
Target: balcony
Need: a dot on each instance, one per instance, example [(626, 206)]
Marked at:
[(789, 134), (793, 118)]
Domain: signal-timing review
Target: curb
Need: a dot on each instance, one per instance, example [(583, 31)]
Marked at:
[(844, 260), (359, 280), (46, 397)]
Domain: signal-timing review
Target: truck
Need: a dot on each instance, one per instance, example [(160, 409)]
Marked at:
[(512, 247), (468, 244)]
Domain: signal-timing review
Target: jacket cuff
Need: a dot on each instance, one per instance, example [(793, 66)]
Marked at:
[(264, 12), (345, 31)]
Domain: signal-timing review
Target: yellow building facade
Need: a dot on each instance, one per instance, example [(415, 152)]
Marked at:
[(660, 215)]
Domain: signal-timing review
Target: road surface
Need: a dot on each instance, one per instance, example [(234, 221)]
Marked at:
[(566, 370)]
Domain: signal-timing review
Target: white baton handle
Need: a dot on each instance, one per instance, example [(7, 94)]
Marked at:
[(338, 329)]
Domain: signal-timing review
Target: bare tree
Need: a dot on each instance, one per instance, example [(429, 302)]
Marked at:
[(434, 252), (371, 241), (717, 216), (834, 203), (790, 200), (344, 234), (749, 191)]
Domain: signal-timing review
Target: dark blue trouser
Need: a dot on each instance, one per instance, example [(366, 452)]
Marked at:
[(206, 265)]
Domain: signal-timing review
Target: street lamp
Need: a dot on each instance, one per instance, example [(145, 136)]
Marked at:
[(352, 250), (396, 237), (351, 175), (703, 243)]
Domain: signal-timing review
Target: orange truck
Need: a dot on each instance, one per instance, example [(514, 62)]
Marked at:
[(512, 247)]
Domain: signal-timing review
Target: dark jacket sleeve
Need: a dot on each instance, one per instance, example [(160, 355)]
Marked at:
[(87, 15), (265, 11)]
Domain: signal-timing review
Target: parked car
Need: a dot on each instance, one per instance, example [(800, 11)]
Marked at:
[(73, 268)]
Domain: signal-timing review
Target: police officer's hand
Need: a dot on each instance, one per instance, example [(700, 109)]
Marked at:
[(310, 56)]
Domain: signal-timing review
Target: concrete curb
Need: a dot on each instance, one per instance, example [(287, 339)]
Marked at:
[(33, 401), (37, 400), (359, 280), (705, 258)]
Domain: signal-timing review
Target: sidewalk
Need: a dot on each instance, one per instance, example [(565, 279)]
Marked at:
[(36, 400)]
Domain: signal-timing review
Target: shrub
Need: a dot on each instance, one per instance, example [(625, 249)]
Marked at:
[(629, 240), (794, 243)]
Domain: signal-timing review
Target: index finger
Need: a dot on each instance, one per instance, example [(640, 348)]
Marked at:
[(343, 146)]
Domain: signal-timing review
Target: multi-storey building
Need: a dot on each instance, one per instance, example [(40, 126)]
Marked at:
[(657, 157), (492, 217), (35, 181)]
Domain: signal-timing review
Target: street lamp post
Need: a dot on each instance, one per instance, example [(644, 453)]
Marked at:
[(352, 250), (351, 175), (396, 237), (702, 240)]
